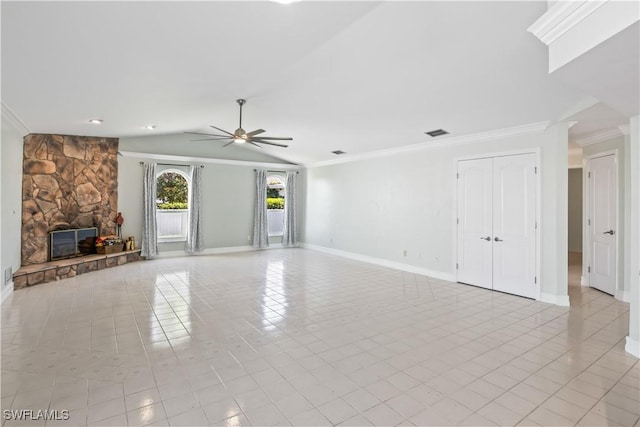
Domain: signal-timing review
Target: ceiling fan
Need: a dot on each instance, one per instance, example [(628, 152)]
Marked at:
[(240, 136)]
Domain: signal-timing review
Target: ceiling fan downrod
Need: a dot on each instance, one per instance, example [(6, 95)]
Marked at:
[(241, 102)]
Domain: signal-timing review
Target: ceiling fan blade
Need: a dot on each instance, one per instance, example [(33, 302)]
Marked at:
[(256, 132), (229, 143), (221, 130), (269, 143), (207, 134), (254, 144), (275, 138)]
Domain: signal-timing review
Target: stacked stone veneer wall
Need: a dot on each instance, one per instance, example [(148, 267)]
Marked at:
[(68, 182)]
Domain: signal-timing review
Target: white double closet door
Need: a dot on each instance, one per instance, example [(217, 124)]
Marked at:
[(497, 223)]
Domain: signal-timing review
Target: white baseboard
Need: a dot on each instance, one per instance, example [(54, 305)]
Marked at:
[(7, 290), (632, 347), (561, 300), (623, 295), (208, 251), (276, 246), (382, 262), (214, 251)]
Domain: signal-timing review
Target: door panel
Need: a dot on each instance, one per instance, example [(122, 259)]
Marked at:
[(514, 201), (602, 259), (497, 199), (602, 212), (474, 222)]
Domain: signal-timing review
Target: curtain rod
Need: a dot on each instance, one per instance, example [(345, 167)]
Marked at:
[(170, 164), (277, 171)]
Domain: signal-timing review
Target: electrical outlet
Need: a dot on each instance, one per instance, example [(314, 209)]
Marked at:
[(8, 273), (404, 252), (248, 238)]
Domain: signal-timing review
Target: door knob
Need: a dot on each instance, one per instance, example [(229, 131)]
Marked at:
[(610, 232), (488, 239), (497, 239)]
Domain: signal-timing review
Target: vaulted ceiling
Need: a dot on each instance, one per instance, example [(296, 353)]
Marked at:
[(354, 76)]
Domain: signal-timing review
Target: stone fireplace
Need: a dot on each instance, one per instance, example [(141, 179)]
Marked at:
[(67, 182)]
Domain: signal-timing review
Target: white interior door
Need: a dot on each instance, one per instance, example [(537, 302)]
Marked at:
[(602, 215), (496, 223), (514, 224), (475, 222)]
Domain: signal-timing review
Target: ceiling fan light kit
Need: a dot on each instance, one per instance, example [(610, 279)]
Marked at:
[(240, 136)]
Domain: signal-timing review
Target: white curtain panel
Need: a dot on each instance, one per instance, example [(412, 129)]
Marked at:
[(290, 230), (195, 237), (260, 226), (149, 245)]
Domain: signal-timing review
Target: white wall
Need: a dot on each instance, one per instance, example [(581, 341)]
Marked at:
[(618, 144), (575, 210), (228, 191), (381, 207), (11, 196), (227, 203)]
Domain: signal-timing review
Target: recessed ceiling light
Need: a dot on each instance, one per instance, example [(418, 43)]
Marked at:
[(285, 1), (96, 121), (150, 127), (437, 132)]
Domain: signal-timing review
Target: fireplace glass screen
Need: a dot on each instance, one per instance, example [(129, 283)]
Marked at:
[(70, 243)]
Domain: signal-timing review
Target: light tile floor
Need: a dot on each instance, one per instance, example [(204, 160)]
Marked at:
[(296, 337)]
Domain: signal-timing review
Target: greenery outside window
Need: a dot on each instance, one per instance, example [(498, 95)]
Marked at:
[(275, 204), (172, 205)]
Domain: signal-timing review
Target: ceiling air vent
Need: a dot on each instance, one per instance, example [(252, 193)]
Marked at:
[(338, 152), (437, 132)]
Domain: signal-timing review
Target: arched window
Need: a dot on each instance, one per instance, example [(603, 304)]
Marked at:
[(275, 204), (172, 205)]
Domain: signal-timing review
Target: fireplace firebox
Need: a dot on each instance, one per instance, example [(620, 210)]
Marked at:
[(72, 243)]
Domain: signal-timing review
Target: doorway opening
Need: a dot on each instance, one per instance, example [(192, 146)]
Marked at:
[(575, 226)]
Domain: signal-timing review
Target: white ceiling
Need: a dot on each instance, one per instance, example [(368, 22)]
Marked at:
[(594, 119), (355, 76)]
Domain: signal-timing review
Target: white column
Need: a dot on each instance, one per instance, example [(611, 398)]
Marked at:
[(633, 339), (562, 210)]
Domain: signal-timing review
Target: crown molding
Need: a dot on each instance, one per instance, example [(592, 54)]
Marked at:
[(190, 159), (562, 17), (13, 118), (625, 129), (441, 142), (599, 136)]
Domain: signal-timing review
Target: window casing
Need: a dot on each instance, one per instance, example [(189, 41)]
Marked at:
[(275, 204), (173, 224)]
